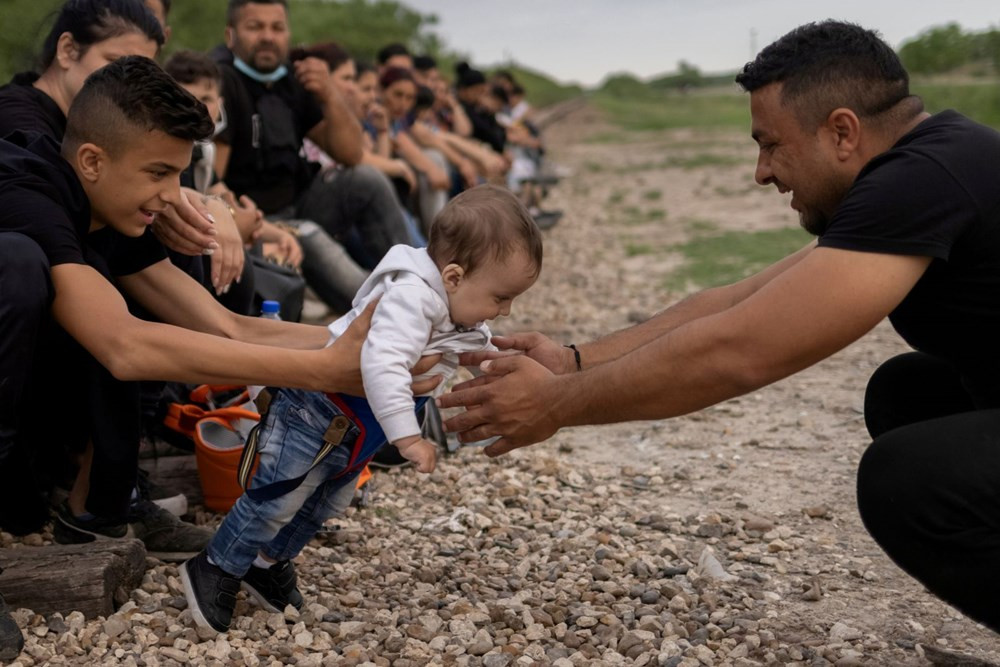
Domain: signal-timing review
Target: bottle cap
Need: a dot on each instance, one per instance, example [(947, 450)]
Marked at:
[(270, 307)]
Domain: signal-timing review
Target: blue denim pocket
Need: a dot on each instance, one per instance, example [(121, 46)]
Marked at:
[(293, 435)]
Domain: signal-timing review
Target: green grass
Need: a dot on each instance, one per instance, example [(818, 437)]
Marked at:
[(652, 195), (979, 100), (635, 249), (656, 110), (633, 215), (540, 89), (696, 225), (648, 109), (725, 258)]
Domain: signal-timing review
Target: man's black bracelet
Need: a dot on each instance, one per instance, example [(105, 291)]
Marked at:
[(576, 355)]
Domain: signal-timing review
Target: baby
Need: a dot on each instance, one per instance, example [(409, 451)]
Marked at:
[(484, 251)]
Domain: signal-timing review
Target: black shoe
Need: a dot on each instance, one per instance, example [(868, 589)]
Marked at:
[(210, 592), (11, 639), (166, 537), (274, 588), (71, 529), (172, 501)]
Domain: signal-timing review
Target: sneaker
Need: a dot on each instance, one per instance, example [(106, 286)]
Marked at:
[(173, 502), (71, 529), (274, 588), (210, 592), (11, 639), (166, 537)]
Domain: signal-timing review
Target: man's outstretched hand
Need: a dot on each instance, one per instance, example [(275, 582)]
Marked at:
[(516, 398), (557, 358)]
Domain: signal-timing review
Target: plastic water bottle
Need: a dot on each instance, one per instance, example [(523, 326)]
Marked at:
[(270, 310)]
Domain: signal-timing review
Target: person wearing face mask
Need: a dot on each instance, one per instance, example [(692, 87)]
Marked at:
[(272, 105), (304, 245)]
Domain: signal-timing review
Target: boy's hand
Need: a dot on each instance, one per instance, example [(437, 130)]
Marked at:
[(421, 452), (344, 371)]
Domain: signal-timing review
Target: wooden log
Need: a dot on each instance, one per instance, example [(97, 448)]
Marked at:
[(92, 578), (179, 473)]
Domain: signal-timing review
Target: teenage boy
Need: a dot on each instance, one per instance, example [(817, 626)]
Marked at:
[(129, 135)]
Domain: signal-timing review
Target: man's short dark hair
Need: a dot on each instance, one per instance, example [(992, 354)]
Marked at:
[(187, 67), (424, 63), (236, 5), (131, 96), (390, 50), (827, 65)]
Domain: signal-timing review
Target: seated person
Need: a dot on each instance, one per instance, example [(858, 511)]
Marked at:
[(398, 92), (130, 133), (484, 251), (271, 106), (327, 267), (393, 55), (343, 74), (471, 87), (85, 35), (448, 110), (359, 86)]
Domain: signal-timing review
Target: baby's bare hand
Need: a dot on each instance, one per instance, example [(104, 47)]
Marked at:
[(421, 452)]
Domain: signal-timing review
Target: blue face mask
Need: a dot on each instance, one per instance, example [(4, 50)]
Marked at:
[(270, 77)]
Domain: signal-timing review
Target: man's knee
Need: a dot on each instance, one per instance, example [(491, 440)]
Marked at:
[(876, 481), (368, 181)]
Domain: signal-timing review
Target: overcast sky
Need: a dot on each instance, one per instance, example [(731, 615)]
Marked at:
[(584, 40)]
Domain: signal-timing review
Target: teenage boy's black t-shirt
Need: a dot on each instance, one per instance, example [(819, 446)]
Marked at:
[(41, 198), (24, 107), (936, 193), (266, 124)]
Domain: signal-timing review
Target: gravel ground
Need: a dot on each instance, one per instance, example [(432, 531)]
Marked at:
[(726, 537)]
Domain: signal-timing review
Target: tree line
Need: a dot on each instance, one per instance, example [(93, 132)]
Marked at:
[(948, 48), (361, 26)]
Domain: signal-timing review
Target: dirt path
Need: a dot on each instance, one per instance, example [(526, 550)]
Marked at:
[(593, 548), (790, 446)]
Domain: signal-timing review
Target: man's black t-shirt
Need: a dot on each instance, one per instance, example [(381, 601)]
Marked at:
[(936, 194), (24, 107), (41, 197), (266, 124)]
